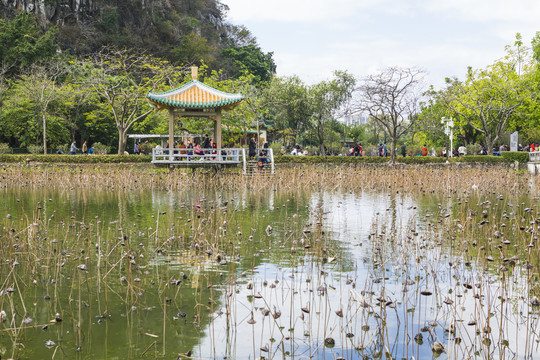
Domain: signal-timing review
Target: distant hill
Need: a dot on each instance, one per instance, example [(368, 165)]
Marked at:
[(182, 31)]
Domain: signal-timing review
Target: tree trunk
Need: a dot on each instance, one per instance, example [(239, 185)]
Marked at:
[(121, 141), (393, 151), (44, 134)]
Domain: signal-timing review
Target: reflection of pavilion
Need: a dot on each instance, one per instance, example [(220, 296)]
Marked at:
[(196, 100)]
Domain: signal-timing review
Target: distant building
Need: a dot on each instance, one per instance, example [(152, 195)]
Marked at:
[(355, 119)]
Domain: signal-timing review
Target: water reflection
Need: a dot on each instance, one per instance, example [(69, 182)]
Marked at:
[(241, 275)]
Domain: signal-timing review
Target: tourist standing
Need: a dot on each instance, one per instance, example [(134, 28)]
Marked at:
[(252, 148), (404, 149), (136, 148), (424, 150), (73, 149), (84, 148), (385, 150)]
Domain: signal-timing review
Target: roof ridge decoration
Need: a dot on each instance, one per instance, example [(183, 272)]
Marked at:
[(194, 95)]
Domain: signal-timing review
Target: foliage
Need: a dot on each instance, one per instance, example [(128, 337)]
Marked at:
[(251, 59), (123, 78), (34, 149), (147, 147), (76, 159), (4, 148), (519, 156), (23, 43), (325, 99), (473, 149), (99, 148)]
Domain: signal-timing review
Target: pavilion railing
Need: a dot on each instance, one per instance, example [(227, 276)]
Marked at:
[(185, 155), (534, 156), (209, 157)]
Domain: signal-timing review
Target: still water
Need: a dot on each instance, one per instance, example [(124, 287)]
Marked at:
[(242, 275)]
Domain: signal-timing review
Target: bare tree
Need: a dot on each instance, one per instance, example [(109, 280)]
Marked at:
[(391, 98)]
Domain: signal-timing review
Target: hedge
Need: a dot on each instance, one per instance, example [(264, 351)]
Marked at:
[(507, 156), (76, 159), (519, 156)]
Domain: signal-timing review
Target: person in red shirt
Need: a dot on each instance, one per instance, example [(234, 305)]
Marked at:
[(424, 150)]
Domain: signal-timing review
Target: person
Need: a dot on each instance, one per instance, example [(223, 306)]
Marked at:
[(294, 151), (207, 144), (462, 150), (263, 156), (91, 150), (433, 152), (424, 150), (444, 153), (385, 150), (531, 147), (282, 151), (483, 151), (136, 148), (404, 149), (84, 148), (73, 149), (381, 150), (252, 148)]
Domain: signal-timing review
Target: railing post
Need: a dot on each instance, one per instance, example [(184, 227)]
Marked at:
[(271, 160), (244, 161)]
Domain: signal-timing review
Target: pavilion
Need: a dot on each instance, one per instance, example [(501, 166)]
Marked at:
[(196, 100)]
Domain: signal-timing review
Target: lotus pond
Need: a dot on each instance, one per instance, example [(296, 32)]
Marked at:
[(352, 263)]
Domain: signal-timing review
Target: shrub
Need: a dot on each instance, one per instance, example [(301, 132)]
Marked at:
[(512, 156), (35, 149), (99, 148), (64, 149), (276, 148), (147, 147), (4, 148), (473, 149)]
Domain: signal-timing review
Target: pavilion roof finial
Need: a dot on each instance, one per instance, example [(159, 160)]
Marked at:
[(194, 73)]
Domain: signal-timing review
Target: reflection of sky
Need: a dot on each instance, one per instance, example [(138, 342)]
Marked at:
[(348, 219)]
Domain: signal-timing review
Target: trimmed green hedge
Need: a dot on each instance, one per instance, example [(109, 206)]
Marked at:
[(76, 159), (300, 159), (507, 156), (520, 156)]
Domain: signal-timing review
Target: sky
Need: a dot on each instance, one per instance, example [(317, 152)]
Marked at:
[(313, 38)]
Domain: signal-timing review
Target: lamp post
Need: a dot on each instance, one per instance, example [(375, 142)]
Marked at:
[(449, 131)]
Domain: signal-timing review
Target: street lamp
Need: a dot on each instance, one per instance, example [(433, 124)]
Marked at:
[(449, 131)]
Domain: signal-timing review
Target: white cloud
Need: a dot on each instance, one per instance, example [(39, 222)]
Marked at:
[(312, 38), (298, 11)]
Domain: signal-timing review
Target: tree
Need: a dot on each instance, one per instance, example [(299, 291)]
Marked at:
[(122, 79), (391, 98), (487, 100), (250, 58), (286, 103), (30, 99), (23, 43), (325, 98)]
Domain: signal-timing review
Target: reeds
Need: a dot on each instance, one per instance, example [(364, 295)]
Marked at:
[(211, 265)]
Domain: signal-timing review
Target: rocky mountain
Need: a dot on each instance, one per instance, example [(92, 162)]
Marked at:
[(180, 30)]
